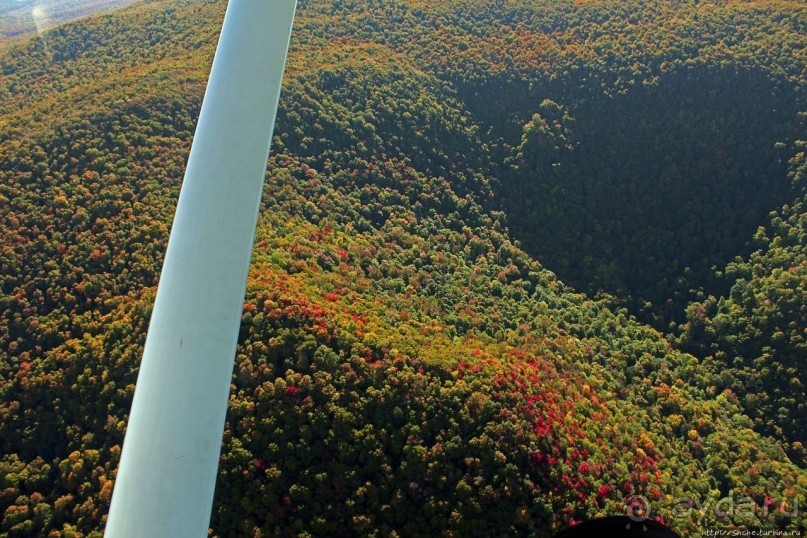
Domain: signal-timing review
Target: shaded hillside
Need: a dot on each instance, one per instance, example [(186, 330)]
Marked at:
[(404, 368), (643, 193), (758, 326)]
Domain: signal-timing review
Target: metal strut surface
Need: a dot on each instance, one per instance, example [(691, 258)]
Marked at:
[(169, 462)]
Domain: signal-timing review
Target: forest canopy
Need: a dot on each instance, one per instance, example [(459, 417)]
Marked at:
[(519, 262)]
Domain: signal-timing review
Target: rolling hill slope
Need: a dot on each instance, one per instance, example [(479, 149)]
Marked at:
[(20, 17), (408, 365)]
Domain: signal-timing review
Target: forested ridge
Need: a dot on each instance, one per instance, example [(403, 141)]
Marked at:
[(518, 261), (21, 17)]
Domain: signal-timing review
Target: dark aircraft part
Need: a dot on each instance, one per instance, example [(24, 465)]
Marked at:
[(617, 527)]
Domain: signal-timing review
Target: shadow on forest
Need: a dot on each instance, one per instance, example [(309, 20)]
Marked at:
[(641, 194)]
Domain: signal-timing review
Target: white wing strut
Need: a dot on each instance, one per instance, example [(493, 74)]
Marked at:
[(170, 457)]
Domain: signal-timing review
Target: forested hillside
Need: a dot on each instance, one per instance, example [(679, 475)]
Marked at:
[(20, 17), (519, 263)]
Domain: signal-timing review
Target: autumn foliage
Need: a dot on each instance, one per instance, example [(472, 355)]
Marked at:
[(518, 262)]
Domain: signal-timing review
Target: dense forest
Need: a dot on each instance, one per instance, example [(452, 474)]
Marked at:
[(20, 17), (520, 263)]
